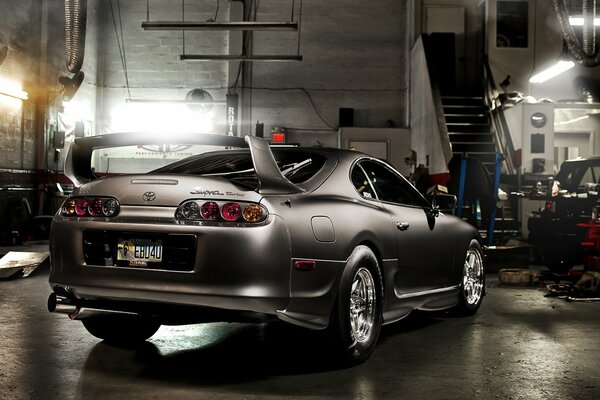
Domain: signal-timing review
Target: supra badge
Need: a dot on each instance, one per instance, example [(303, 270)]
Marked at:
[(149, 196)]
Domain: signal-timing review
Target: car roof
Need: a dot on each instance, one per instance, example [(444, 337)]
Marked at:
[(592, 160)]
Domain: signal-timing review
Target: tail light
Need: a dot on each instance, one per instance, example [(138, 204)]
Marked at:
[(90, 207), (231, 212), (209, 210), (221, 211)]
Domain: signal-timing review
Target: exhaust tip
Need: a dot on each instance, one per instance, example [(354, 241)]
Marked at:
[(52, 302), (60, 304)]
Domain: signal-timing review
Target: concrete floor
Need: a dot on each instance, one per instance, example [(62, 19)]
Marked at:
[(521, 345)]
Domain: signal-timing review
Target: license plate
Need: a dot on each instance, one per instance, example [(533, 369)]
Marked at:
[(139, 251)]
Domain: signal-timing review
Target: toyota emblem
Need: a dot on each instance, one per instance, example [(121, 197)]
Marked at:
[(149, 196)]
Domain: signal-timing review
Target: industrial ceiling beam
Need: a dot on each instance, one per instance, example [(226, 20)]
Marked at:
[(241, 57), (218, 25)]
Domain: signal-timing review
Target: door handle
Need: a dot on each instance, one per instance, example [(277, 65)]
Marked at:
[(402, 225)]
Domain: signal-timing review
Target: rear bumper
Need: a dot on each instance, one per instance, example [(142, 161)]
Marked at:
[(239, 273), (236, 268)]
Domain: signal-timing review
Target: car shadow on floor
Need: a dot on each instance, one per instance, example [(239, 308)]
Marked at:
[(234, 353), (239, 353)]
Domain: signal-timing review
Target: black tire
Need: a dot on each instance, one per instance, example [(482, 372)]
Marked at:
[(121, 329), (353, 332), (472, 284)]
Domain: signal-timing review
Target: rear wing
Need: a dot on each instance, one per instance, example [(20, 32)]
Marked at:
[(78, 166)]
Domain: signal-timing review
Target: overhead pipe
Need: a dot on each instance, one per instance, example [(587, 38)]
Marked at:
[(589, 30), (75, 29), (585, 55)]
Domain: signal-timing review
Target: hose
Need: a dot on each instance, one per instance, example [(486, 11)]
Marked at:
[(75, 29), (589, 30), (587, 55)]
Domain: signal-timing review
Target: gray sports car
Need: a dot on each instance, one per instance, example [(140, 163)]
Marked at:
[(326, 239)]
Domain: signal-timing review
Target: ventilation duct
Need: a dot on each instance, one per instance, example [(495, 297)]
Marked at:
[(75, 28), (587, 53)]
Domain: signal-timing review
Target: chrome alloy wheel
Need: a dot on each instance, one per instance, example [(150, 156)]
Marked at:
[(362, 305), (473, 279)]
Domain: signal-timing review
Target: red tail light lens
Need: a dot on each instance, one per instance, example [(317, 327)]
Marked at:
[(81, 207), (210, 211), (231, 212), (95, 207)]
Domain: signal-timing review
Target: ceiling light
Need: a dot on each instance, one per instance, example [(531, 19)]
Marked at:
[(239, 57), (578, 21), (174, 101), (572, 120), (12, 89), (557, 69), (219, 25)]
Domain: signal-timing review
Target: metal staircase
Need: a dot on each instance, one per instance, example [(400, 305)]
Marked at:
[(471, 133), (469, 129), (476, 128)]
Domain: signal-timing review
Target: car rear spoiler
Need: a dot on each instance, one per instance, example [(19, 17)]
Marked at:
[(78, 166)]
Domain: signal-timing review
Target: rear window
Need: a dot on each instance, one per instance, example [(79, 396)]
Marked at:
[(577, 178), (140, 159), (297, 166)]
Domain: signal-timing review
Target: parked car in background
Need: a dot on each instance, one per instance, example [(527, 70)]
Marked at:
[(554, 231), (325, 239)]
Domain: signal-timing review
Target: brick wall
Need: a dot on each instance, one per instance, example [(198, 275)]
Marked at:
[(20, 24), (153, 58), (353, 57), (34, 58)]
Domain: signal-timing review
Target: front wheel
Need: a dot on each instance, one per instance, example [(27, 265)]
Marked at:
[(121, 329), (357, 316), (472, 286)]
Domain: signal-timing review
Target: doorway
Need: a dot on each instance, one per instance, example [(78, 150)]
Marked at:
[(570, 145), (448, 19)]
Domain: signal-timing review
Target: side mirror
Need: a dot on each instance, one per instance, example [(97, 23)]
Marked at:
[(444, 202)]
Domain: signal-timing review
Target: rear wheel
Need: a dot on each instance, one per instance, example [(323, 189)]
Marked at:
[(357, 317), (118, 329), (472, 287)]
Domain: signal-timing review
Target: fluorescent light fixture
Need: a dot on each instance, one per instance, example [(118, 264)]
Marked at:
[(166, 101), (12, 89), (219, 25), (573, 120), (578, 21), (556, 69), (239, 57)]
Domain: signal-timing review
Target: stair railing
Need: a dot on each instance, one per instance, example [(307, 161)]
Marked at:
[(499, 126)]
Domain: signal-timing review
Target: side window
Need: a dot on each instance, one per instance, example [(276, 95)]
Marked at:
[(361, 183), (391, 187), (591, 175)]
